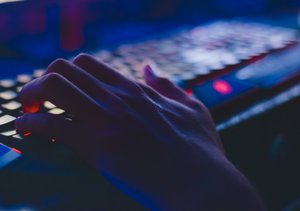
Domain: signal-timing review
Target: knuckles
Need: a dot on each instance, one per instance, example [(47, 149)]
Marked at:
[(50, 80), (45, 83), (57, 66), (81, 58)]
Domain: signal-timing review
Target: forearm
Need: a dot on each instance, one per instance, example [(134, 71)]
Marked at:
[(221, 187)]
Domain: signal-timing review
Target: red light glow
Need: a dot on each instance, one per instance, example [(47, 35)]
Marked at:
[(16, 150), (189, 92), (32, 108), (27, 134), (53, 140), (223, 87)]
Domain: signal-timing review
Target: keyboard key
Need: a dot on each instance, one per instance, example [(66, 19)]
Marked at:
[(8, 95), (6, 119), (9, 133), (17, 136), (56, 111), (201, 70), (7, 83), (103, 55), (49, 105), (7, 123), (24, 78), (12, 105), (38, 73), (187, 76)]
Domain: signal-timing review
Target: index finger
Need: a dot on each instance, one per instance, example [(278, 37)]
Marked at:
[(58, 90)]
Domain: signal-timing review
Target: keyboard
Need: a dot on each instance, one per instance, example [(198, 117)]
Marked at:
[(207, 61), (201, 51), (204, 61)]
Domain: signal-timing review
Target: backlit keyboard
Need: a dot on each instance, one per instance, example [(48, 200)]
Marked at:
[(201, 51), (198, 59)]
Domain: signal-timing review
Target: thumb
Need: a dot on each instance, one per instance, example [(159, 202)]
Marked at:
[(164, 86)]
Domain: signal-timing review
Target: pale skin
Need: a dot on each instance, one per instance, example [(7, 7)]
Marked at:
[(152, 141)]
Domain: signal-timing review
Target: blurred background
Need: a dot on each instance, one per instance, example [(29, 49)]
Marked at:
[(37, 31)]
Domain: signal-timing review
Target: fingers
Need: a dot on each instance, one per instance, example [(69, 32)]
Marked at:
[(107, 74), (164, 86), (61, 92), (100, 70), (47, 125), (81, 78)]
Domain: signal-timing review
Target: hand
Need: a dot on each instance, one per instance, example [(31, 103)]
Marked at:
[(152, 141)]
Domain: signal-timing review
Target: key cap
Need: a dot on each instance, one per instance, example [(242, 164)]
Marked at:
[(49, 105), (7, 83), (200, 70), (17, 136), (38, 73), (7, 123), (9, 133), (8, 95), (187, 76), (6, 119), (56, 111), (12, 105), (24, 78)]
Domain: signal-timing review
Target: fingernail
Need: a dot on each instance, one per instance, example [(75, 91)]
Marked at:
[(149, 70)]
